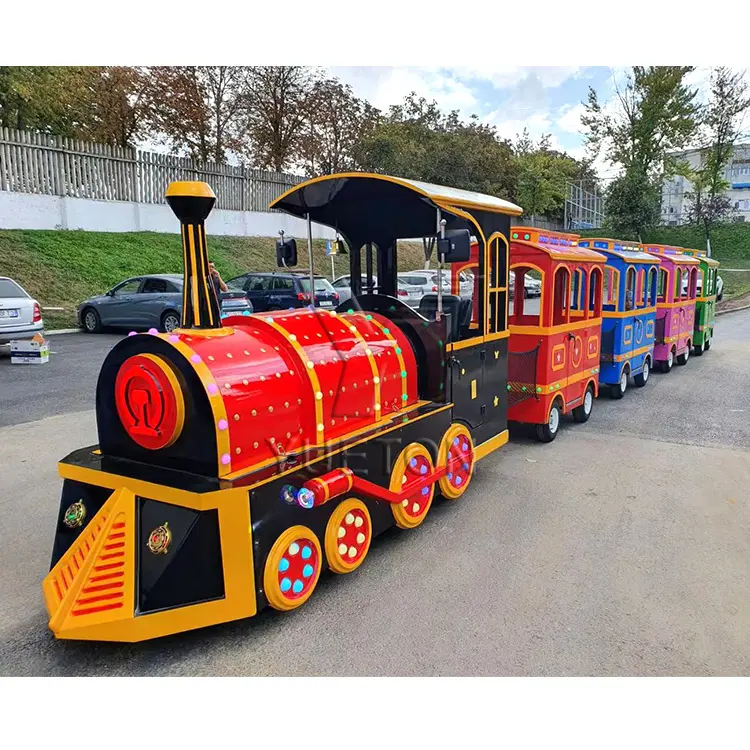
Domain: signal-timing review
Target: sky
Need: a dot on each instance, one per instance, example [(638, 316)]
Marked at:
[(543, 99)]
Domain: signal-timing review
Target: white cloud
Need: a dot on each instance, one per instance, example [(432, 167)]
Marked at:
[(383, 87), (569, 118), (505, 76)]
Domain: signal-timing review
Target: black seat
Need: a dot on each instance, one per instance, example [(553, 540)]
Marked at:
[(453, 306)]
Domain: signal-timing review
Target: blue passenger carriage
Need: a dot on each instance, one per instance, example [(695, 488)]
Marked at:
[(629, 313)]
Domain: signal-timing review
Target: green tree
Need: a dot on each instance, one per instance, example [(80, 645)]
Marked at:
[(654, 113), (542, 176), (417, 141), (336, 121), (722, 127)]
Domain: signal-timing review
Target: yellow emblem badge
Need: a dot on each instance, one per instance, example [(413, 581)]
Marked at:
[(159, 540)]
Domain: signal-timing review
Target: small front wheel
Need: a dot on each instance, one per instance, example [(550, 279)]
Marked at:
[(683, 358), (583, 412), (707, 345), (547, 432), (292, 568)]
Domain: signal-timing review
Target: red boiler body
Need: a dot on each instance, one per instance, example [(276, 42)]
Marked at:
[(297, 379)]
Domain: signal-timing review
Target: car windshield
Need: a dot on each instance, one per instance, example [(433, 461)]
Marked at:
[(321, 285), (9, 289)]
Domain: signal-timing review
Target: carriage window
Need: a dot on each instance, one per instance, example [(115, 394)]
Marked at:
[(651, 291), (640, 297), (611, 281), (496, 315), (595, 293), (577, 293), (662, 285), (692, 284), (525, 296), (630, 288), (684, 277), (560, 311), (702, 282)]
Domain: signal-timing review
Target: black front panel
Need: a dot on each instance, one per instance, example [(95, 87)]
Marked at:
[(92, 498), (191, 570), (195, 449)]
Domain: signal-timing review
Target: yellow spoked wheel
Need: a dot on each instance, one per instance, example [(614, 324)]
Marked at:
[(413, 462), (456, 453), (348, 536), (292, 568)]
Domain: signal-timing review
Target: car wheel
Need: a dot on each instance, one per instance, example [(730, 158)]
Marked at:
[(642, 377), (547, 432), (169, 321), (583, 412), (618, 390), (92, 323)]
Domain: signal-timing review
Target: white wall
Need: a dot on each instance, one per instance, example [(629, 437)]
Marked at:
[(26, 211)]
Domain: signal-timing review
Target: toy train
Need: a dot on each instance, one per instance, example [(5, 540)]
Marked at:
[(241, 457)]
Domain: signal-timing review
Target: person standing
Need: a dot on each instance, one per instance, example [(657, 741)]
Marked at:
[(218, 282)]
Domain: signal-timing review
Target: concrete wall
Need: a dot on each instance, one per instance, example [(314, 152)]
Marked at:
[(27, 211)]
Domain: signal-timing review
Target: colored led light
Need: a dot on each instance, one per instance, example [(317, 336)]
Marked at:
[(305, 498)]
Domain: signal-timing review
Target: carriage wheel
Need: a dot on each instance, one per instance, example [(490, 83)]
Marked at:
[(348, 536), (413, 461), (456, 453), (292, 568)]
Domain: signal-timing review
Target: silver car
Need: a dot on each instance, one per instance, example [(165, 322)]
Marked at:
[(427, 281), (20, 314), (147, 302), (406, 293)]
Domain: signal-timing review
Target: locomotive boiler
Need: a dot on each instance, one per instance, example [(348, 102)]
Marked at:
[(240, 458)]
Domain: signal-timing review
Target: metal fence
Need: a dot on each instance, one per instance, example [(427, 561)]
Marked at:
[(37, 163)]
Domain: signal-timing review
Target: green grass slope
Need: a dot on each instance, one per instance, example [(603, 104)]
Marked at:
[(62, 268)]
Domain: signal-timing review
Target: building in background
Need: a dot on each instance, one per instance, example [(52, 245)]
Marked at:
[(674, 203), (584, 206)]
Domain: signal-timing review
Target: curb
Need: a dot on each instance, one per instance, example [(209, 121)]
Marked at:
[(736, 309), (63, 330)]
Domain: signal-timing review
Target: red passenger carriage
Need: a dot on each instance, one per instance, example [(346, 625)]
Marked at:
[(555, 342)]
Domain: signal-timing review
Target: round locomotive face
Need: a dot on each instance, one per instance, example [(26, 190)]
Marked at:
[(274, 384)]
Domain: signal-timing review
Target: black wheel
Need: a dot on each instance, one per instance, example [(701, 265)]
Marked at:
[(707, 343), (92, 323), (666, 365), (169, 321), (547, 432), (698, 349), (683, 358), (618, 390), (583, 412), (642, 377)]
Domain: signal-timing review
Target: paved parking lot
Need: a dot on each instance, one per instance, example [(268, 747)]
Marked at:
[(619, 549)]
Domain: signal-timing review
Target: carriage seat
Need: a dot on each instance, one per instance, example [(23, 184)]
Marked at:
[(457, 308)]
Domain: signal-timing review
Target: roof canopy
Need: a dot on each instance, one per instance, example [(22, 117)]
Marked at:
[(366, 207), (630, 252), (561, 253)]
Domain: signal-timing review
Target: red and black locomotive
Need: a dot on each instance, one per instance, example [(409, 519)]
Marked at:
[(240, 458)]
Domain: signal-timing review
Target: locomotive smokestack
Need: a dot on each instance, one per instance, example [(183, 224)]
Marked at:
[(192, 203)]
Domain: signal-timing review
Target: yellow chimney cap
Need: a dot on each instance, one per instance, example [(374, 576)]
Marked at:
[(189, 189)]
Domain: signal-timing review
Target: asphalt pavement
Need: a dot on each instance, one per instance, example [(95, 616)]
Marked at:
[(619, 549)]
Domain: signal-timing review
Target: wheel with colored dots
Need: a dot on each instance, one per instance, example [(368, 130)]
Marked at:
[(348, 536), (456, 453), (413, 463), (292, 568)]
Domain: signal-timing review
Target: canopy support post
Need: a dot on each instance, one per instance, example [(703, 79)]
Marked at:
[(441, 229), (310, 260)]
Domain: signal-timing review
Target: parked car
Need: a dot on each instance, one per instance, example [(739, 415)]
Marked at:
[(20, 313), (427, 280), (153, 301), (719, 288), (280, 291), (405, 292)]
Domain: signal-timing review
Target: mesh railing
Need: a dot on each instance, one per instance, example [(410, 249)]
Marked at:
[(522, 375)]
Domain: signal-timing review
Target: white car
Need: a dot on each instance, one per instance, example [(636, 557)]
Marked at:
[(410, 295), (20, 314), (427, 280)]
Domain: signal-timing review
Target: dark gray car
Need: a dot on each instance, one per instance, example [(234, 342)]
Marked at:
[(143, 302)]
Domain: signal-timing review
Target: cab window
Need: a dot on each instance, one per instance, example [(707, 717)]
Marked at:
[(630, 279), (662, 285), (561, 296), (595, 293)]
